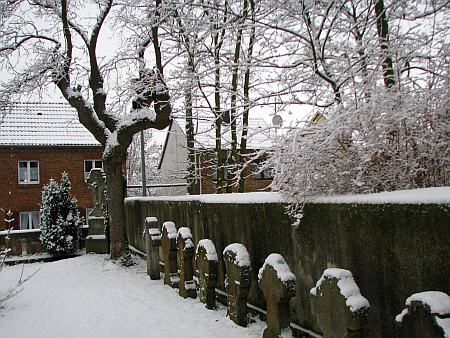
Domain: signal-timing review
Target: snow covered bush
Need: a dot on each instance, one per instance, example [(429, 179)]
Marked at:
[(60, 219), (392, 141)]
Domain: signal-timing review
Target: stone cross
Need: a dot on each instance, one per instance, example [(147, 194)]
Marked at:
[(425, 315), (341, 309), (206, 261), (237, 265), (152, 237), (185, 244), (97, 184), (169, 253), (277, 283)]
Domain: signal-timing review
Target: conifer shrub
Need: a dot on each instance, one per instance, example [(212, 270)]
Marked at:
[(60, 219)]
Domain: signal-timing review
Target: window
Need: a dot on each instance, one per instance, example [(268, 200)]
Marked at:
[(28, 172), (265, 174), (29, 220), (226, 171), (91, 164), (88, 211)]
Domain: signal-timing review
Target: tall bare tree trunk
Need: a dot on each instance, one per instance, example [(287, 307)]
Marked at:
[(116, 195), (383, 35), (245, 114)]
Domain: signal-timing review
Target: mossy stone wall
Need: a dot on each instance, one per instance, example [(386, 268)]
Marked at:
[(393, 250)]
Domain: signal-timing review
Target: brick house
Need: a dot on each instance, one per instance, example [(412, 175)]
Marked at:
[(39, 141), (173, 161)]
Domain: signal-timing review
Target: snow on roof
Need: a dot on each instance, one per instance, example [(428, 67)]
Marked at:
[(42, 124), (205, 133)]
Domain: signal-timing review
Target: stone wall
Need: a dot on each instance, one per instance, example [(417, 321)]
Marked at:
[(27, 242), (393, 250)]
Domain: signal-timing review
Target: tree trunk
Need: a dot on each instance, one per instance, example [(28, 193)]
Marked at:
[(383, 35), (116, 194)]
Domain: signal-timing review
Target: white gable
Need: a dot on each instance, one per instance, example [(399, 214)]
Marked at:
[(205, 133)]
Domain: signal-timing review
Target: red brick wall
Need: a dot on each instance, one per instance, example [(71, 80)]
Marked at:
[(52, 162), (251, 184)]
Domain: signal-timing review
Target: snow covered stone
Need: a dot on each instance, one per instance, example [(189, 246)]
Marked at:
[(277, 282), (341, 309), (237, 283), (152, 237), (427, 314), (185, 244), (206, 261), (169, 253)]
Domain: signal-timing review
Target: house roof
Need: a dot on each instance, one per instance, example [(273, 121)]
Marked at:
[(42, 124)]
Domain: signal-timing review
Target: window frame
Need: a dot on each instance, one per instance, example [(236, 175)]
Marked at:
[(30, 219), (28, 162), (265, 174), (86, 173), (88, 211)]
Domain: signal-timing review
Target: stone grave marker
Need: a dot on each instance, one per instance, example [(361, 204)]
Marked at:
[(206, 261), (169, 253), (427, 314), (340, 308), (237, 283), (185, 244), (97, 185), (96, 240), (277, 282), (152, 237)]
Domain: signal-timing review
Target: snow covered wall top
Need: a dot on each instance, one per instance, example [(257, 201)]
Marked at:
[(439, 195)]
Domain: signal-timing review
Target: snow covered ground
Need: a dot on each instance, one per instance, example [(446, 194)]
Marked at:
[(89, 296)]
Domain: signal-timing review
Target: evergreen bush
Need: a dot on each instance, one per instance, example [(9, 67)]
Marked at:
[(60, 219)]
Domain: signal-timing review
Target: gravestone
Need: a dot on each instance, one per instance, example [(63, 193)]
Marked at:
[(427, 314), (277, 282), (96, 240), (169, 253), (237, 283), (152, 237), (206, 261), (185, 244), (340, 308)]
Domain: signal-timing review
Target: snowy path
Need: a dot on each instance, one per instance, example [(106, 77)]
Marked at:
[(89, 296)]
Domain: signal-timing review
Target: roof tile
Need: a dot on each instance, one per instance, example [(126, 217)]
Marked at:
[(43, 124)]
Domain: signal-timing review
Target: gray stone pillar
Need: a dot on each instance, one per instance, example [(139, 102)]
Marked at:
[(341, 309), (427, 314), (152, 237), (237, 283), (185, 244), (169, 253), (206, 261), (277, 282)]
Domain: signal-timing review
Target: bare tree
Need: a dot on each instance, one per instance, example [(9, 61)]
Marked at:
[(387, 65), (64, 53)]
